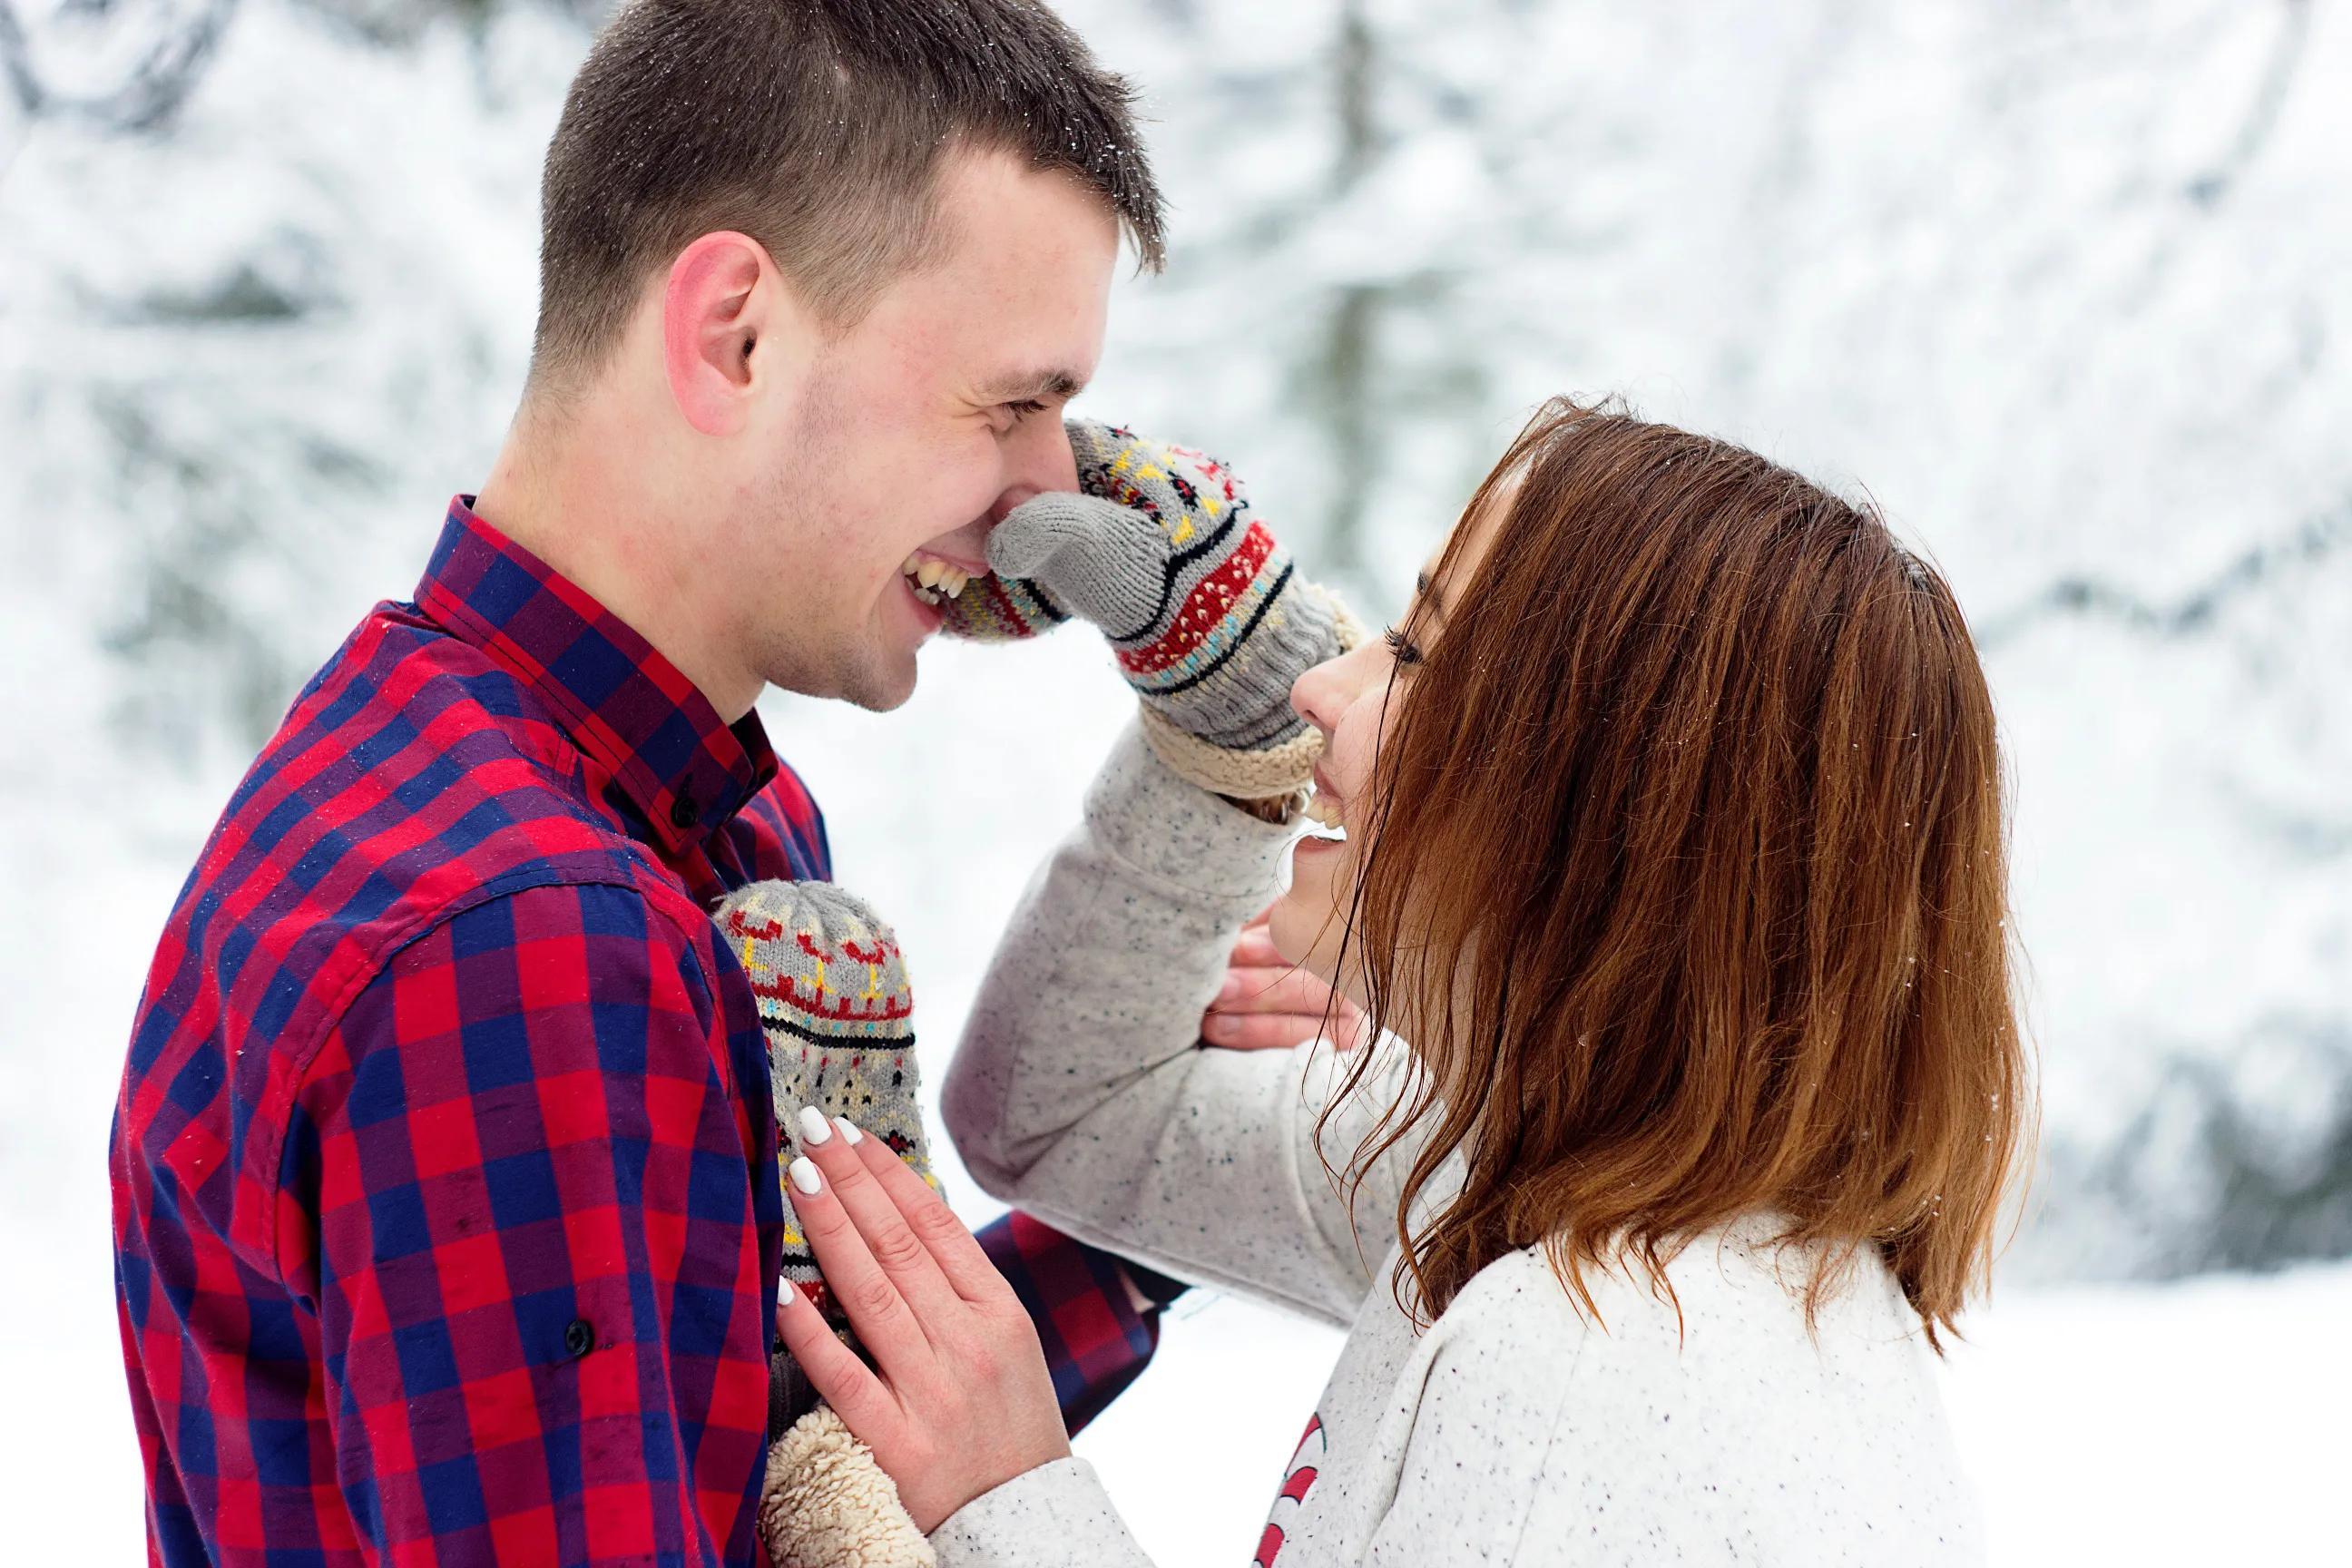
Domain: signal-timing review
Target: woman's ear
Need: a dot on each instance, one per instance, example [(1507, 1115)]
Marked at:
[(723, 304)]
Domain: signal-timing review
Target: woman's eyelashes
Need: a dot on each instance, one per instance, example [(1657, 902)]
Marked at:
[(1401, 646)]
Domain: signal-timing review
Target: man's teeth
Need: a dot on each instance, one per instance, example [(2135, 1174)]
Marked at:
[(933, 580)]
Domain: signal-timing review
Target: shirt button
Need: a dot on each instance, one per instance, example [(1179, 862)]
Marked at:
[(579, 1338), (684, 813)]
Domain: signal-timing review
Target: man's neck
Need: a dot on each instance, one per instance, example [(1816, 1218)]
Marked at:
[(600, 522)]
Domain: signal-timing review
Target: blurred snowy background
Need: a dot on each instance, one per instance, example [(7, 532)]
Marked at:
[(2058, 280)]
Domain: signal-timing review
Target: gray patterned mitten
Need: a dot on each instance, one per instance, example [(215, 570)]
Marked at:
[(839, 1016), (1206, 612)]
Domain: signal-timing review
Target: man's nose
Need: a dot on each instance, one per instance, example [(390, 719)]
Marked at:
[(1037, 459)]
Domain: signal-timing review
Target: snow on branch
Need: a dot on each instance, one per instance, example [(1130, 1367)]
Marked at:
[(2262, 119), (2081, 595), (168, 47)]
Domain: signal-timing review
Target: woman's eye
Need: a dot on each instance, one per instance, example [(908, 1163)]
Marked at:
[(1403, 651), (1025, 407)]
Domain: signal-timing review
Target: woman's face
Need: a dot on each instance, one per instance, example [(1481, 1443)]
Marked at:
[(1352, 699)]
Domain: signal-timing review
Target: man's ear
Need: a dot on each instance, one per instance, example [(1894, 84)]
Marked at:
[(722, 304)]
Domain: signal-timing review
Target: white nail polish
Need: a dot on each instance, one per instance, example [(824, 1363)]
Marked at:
[(804, 1177), (815, 1127), (850, 1130)]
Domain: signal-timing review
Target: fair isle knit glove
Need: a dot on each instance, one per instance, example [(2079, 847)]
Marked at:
[(1206, 612), (839, 1019)]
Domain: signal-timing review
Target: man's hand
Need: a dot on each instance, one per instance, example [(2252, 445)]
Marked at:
[(1269, 1005)]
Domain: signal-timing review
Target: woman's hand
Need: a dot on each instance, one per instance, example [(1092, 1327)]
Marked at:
[(1270, 1005), (1160, 549), (961, 1402)]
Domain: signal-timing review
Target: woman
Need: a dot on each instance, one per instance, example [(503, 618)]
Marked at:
[(1672, 844)]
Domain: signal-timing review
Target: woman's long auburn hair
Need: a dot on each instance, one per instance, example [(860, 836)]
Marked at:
[(1687, 881)]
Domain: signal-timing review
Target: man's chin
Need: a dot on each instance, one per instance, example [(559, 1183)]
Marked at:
[(881, 692), (877, 679)]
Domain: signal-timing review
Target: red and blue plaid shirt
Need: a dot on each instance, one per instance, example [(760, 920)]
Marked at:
[(446, 1205)]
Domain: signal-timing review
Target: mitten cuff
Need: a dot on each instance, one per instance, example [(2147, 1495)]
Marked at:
[(827, 1504), (1263, 772)]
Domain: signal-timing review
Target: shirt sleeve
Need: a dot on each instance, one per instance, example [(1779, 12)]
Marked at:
[(544, 1215), (1097, 1344)]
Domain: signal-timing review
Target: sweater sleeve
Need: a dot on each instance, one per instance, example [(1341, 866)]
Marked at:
[(1473, 1455), (1056, 1516), (1081, 1092)]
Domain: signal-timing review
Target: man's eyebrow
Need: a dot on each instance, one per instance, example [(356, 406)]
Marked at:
[(1013, 388)]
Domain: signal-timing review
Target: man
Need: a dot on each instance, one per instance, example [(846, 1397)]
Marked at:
[(445, 1176)]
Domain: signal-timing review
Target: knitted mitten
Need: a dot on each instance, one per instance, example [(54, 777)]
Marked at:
[(839, 1018), (1205, 611)]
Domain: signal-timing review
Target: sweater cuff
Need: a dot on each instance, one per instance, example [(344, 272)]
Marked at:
[(1056, 1516), (1179, 834)]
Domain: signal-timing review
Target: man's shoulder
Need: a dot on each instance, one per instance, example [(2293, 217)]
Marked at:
[(412, 778), (427, 770)]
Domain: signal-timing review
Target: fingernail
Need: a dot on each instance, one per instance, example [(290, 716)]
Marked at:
[(1216, 1027), (804, 1176), (1231, 989), (850, 1130), (815, 1127)]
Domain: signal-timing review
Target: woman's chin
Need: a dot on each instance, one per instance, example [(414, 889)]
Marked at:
[(1296, 923)]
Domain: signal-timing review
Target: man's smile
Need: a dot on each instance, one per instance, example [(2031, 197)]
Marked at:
[(934, 579)]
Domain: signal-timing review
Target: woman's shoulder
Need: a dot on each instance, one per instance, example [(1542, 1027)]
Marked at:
[(1716, 1411), (1731, 1291)]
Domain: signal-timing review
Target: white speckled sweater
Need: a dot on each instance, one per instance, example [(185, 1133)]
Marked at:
[(1512, 1431)]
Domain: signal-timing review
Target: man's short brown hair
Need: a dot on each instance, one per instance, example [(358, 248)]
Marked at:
[(817, 128)]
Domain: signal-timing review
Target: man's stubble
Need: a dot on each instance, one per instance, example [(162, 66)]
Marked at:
[(811, 628)]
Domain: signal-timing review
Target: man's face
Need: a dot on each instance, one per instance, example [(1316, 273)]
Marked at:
[(910, 435)]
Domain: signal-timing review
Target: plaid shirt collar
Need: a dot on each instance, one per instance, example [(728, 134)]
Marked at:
[(672, 760)]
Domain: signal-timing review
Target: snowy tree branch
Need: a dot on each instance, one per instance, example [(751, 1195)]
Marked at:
[(2263, 117), (2091, 596), (166, 72), (17, 61)]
